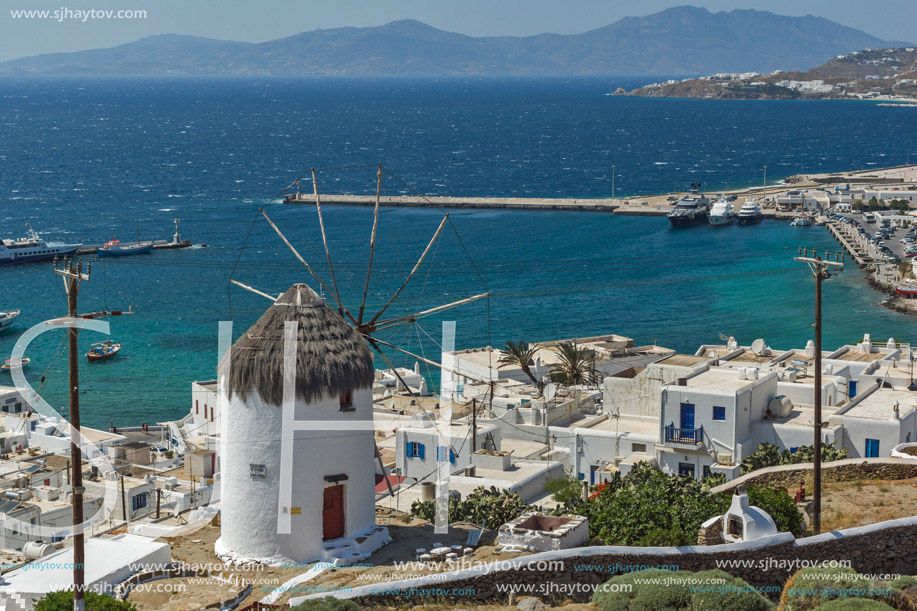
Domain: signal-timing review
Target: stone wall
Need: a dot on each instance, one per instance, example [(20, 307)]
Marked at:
[(888, 547), (847, 470)]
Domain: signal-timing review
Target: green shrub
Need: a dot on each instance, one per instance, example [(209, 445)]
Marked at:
[(645, 504), (813, 586), (650, 508), (780, 506), (566, 490), (737, 594), (769, 455), (854, 604), (902, 582), (625, 593), (497, 507), (328, 603), (63, 601)]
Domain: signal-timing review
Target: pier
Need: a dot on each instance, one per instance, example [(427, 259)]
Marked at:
[(176, 242), (851, 243), (519, 203)]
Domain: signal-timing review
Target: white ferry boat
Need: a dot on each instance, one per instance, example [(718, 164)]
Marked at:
[(32, 248)]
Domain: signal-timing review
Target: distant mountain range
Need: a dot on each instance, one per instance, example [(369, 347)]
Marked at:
[(681, 40)]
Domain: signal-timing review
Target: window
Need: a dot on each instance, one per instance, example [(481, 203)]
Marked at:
[(441, 454), (706, 471), (639, 448), (793, 449), (205, 411), (139, 501), (719, 413), (415, 449), (346, 400), (197, 407), (872, 448)]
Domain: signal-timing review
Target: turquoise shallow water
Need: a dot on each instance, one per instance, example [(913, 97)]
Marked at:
[(82, 159)]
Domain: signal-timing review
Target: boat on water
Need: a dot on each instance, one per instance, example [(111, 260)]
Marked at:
[(692, 209), (722, 213), (11, 363), (103, 350), (33, 248), (114, 248), (750, 213), (7, 318), (802, 220)]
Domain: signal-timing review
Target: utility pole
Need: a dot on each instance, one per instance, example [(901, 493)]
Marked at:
[(765, 181), (73, 278), (819, 267), (474, 426), (126, 516)]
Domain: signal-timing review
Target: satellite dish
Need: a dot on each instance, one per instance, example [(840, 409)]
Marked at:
[(758, 346)]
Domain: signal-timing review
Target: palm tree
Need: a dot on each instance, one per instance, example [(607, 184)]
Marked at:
[(576, 366), (521, 355)]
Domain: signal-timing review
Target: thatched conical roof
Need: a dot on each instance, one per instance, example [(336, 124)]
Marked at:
[(331, 355)]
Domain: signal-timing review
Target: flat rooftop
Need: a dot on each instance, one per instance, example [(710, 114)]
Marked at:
[(625, 425), (523, 449), (105, 559), (747, 356), (880, 405), (723, 379), (683, 360), (854, 354)]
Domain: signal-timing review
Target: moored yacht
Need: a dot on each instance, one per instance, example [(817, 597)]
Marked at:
[(692, 209), (750, 213), (33, 248), (722, 213)]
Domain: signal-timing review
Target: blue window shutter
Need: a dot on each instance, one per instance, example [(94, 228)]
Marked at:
[(409, 449), (421, 448), (452, 456), (719, 413)]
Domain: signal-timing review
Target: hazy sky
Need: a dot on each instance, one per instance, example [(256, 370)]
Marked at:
[(260, 20)]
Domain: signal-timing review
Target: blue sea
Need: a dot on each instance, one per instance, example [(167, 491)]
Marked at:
[(85, 159)]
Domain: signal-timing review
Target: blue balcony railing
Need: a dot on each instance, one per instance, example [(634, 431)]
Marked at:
[(689, 436)]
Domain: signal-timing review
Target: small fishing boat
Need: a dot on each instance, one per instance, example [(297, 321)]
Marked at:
[(907, 290), (10, 363), (802, 220), (103, 350), (114, 248), (7, 318)]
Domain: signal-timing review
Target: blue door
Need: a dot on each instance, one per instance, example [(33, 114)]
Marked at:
[(687, 416), (872, 448), (852, 388)]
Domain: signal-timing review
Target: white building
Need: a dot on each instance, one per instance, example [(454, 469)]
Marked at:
[(298, 477), (108, 563), (705, 425), (421, 449)]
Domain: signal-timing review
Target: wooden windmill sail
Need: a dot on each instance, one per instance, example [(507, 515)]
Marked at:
[(363, 322)]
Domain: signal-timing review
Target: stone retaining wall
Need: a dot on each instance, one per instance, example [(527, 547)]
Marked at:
[(847, 470), (888, 547)]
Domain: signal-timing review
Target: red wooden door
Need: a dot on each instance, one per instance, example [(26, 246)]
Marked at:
[(333, 513)]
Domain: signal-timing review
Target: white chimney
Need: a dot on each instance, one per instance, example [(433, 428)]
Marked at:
[(810, 348)]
